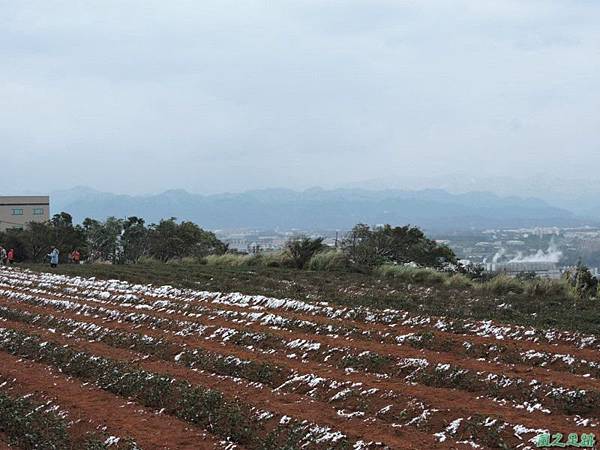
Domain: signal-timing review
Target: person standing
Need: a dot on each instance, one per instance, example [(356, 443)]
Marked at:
[(53, 255), (11, 256), (3, 256), (76, 257)]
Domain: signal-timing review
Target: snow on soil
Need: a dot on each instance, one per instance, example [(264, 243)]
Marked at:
[(65, 293)]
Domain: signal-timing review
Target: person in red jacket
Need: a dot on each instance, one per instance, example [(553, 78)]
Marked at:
[(76, 257), (11, 256)]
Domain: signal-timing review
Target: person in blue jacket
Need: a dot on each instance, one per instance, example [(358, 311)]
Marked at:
[(53, 255)]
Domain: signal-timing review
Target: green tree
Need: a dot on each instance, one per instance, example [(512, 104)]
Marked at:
[(164, 242), (17, 239), (103, 239), (64, 235), (302, 249), (370, 247), (169, 240), (584, 284), (38, 239), (134, 239)]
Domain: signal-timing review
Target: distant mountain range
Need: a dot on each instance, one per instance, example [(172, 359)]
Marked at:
[(578, 195), (435, 210)]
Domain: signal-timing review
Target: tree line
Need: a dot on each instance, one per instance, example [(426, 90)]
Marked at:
[(119, 241), (365, 247), (128, 241)]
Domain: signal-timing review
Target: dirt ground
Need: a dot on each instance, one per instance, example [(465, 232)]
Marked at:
[(296, 374)]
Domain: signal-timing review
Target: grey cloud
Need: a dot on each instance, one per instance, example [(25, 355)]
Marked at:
[(142, 96)]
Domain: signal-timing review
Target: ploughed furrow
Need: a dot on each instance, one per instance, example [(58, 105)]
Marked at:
[(422, 364), (462, 402), (350, 398), (554, 356), (220, 357), (387, 321), (383, 353), (408, 365), (33, 421), (240, 414), (542, 355), (139, 293), (427, 418), (373, 326), (121, 425), (550, 390)]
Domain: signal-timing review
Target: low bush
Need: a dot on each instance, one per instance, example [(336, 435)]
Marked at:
[(411, 274), (273, 259), (301, 249), (544, 288), (502, 284), (329, 260), (458, 281), (228, 260), (186, 260), (148, 260)]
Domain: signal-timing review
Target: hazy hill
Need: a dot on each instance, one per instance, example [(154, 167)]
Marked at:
[(318, 208)]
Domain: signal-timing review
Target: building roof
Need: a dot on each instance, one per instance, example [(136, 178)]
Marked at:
[(24, 200)]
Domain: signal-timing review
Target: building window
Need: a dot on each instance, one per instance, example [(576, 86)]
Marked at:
[(38, 211), (17, 211)]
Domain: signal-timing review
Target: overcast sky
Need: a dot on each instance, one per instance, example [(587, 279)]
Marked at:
[(210, 96)]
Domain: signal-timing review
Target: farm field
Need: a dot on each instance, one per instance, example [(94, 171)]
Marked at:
[(95, 363), (539, 308)]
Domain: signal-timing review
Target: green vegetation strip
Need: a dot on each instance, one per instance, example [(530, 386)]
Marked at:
[(421, 340), (31, 425), (538, 303), (255, 371), (445, 376), (207, 408), (272, 375)]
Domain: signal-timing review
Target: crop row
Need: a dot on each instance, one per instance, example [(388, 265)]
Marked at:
[(153, 306), (349, 398), (31, 424), (415, 414), (354, 398), (169, 297), (525, 394), (430, 341), (344, 395), (123, 291), (193, 358), (207, 408), (499, 352), (419, 340)]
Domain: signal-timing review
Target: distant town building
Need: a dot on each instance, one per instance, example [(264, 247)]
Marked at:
[(16, 212), (253, 242), (545, 269)]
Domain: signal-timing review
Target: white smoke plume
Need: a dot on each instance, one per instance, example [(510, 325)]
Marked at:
[(552, 255), (499, 254)]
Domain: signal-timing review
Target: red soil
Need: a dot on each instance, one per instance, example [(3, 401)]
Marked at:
[(160, 431), (151, 431)]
